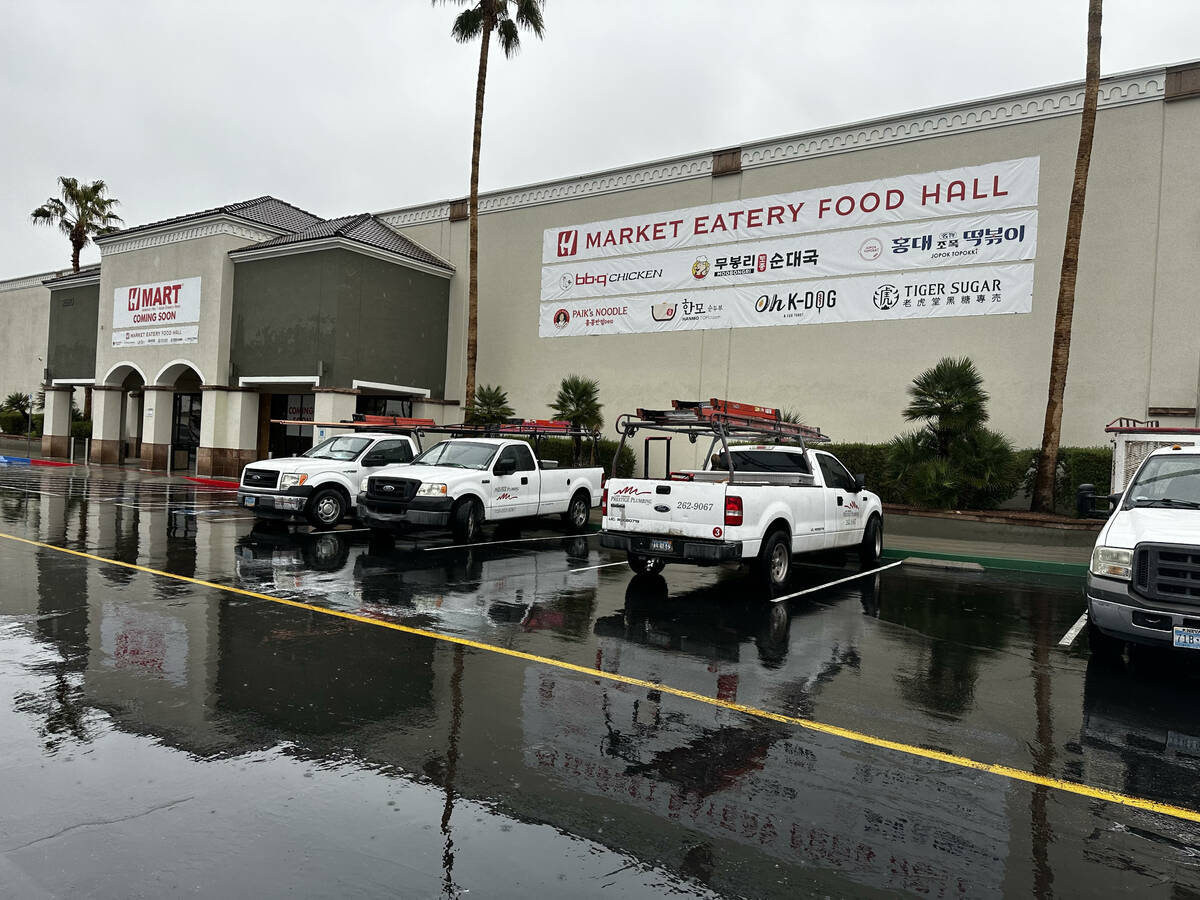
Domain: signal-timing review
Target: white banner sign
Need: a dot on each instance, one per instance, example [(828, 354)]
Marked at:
[(144, 337), (997, 237), (941, 293), (955, 192), (166, 303)]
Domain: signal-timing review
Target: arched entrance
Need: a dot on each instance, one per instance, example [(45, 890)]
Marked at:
[(129, 379), (179, 401)]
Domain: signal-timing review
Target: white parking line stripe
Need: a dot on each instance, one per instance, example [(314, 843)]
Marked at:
[(821, 587), (557, 537), (603, 566), (1069, 638)]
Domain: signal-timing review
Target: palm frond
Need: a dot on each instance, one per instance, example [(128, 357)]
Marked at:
[(509, 36), (468, 25), (528, 14)]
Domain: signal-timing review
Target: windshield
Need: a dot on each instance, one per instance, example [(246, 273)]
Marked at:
[(342, 447), (459, 454), (1167, 481)]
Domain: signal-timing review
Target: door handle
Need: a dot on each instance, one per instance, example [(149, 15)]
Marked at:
[(524, 481), (839, 501)]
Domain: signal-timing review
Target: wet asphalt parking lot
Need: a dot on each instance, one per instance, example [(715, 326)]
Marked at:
[(524, 717)]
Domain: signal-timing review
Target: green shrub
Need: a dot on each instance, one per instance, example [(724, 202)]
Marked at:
[(81, 428), (1076, 466), (562, 451), (12, 422), (869, 460)]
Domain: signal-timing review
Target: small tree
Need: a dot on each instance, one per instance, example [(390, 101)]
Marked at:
[(16, 402), (578, 402), (952, 461), (490, 406)]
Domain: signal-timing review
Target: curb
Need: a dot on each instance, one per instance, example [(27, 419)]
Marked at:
[(30, 461), (959, 561), (213, 482)]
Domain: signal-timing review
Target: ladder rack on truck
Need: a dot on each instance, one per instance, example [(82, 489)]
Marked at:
[(720, 420)]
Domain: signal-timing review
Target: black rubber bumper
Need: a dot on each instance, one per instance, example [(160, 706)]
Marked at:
[(397, 515), (683, 549)]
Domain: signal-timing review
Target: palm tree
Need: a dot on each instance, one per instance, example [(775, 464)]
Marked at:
[(950, 398), (578, 402), (480, 19), (81, 212), (490, 406), (1060, 353), (16, 402)]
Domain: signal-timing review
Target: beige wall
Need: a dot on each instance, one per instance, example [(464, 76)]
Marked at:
[(24, 330), (203, 257), (1135, 338)]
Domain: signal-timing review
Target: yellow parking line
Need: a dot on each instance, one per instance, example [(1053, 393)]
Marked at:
[(857, 737)]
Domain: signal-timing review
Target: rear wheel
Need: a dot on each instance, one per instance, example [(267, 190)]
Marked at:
[(326, 508), (578, 512), (646, 565), (466, 521), (871, 548), (774, 563), (1103, 646)]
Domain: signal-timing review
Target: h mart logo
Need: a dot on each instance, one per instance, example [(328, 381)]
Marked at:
[(568, 242)]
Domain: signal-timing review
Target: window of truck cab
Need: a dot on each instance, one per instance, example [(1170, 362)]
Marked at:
[(835, 473)]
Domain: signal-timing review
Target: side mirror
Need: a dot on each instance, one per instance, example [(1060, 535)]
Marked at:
[(1114, 500), (504, 468), (860, 482)]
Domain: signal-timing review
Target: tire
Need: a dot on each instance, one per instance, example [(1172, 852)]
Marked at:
[(1103, 646), (871, 548), (466, 521), (646, 565), (579, 511), (326, 508), (774, 563)]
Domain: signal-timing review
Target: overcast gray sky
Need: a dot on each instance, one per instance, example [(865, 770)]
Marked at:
[(364, 105)]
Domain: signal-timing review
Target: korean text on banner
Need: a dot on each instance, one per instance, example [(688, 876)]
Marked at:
[(969, 190)]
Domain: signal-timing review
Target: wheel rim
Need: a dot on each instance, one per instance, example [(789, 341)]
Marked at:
[(779, 563), (328, 509), (878, 543), (472, 521), (578, 513)]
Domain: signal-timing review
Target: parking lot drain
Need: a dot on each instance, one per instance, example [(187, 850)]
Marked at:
[(858, 737)]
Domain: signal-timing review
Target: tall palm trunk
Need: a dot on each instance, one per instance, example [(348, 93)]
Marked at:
[(77, 242), (489, 23), (1043, 491)]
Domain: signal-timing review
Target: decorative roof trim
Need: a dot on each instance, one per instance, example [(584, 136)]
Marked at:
[(393, 388), (64, 282), (28, 281), (211, 226), (243, 254), (1122, 89)]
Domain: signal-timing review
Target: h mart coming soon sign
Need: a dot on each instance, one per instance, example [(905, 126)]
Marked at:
[(160, 307)]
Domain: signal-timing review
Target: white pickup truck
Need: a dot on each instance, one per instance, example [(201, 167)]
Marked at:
[(1143, 584), (464, 482), (321, 484), (774, 501)]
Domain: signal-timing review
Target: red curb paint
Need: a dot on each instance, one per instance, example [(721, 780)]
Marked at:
[(214, 482), (48, 462)]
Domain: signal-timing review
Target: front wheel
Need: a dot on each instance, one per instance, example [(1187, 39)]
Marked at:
[(326, 508), (871, 549), (466, 521), (646, 565), (774, 563), (579, 511)]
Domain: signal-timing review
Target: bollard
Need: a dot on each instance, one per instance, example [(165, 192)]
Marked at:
[(170, 453), (71, 451), (1085, 501), (87, 451)]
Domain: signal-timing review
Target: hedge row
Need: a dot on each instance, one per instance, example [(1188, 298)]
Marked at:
[(562, 451), (14, 422)]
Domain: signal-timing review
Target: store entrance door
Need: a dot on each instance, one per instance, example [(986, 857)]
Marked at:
[(185, 431)]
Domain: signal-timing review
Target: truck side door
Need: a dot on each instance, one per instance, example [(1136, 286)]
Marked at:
[(529, 478), (843, 517), (507, 495)]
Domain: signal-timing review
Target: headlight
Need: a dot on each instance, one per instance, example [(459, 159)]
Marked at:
[(1112, 562), (291, 481), (431, 490), (362, 485)]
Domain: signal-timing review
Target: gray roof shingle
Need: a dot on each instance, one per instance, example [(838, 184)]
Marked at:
[(362, 229), (267, 211)]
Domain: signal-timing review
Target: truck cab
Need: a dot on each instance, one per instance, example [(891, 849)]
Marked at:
[(320, 485), (1143, 583)]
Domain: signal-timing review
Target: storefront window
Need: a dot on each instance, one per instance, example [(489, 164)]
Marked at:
[(384, 406), (291, 440)]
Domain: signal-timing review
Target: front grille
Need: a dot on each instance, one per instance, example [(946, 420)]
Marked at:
[(1167, 572), (260, 478), (399, 489)]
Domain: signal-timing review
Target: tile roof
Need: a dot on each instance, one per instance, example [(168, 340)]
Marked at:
[(361, 229), (84, 272), (262, 210)]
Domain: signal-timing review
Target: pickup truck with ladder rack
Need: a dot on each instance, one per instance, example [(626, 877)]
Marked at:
[(482, 473), (762, 497)]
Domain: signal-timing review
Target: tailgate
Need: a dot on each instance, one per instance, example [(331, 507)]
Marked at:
[(678, 508)]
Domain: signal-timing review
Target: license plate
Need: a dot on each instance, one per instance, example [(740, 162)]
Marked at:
[(669, 546), (1188, 638), (249, 501)]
